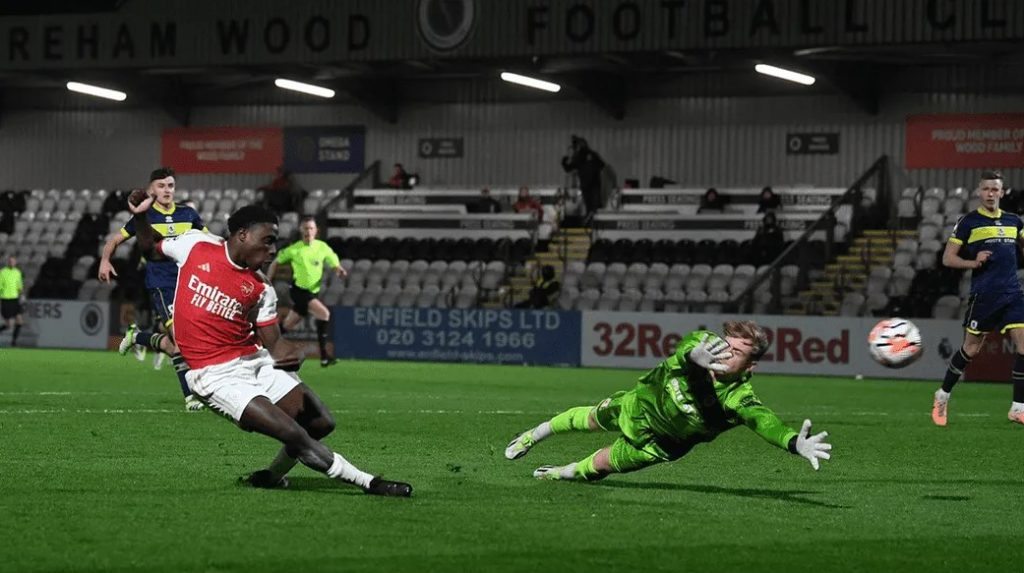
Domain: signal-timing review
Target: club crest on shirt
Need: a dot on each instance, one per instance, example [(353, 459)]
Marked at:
[(247, 288)]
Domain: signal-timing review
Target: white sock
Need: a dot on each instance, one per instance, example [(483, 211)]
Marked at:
[(282, 464), (1017, 406), (541, 432), (343, 470), (942, 395), (567, 472)]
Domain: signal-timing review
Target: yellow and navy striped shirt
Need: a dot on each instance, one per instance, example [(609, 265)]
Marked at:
[(996, 232), (177, 220)]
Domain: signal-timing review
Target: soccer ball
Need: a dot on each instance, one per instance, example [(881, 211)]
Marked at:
[(895, 342)]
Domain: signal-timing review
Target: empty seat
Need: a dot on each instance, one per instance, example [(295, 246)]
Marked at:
[(630, 300), (947, 307), (852, 304)]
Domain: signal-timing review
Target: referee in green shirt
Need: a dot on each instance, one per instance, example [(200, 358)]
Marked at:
[(11, 287), (308, 258)]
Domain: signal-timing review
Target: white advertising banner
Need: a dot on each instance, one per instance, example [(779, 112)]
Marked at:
[(812, 345), (63, 324)]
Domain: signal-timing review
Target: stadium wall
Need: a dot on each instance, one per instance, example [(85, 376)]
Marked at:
[(725, 141), (805, 345)]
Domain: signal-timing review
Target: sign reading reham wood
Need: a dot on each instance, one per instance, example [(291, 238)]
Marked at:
[(965, 141), (223, 149), (799, 345)]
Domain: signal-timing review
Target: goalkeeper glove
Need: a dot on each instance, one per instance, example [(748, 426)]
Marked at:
[(710, 352), (811, 448)]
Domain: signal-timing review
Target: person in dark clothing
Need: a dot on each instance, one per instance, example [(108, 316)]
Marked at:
[(769, 240), (545, 290), (769, 201), (588, 166), (283, 194), (1012, 201), (399, 179), (485, 203), (713, 201)]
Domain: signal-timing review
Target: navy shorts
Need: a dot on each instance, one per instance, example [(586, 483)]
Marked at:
[(163, 303), (989, 312)]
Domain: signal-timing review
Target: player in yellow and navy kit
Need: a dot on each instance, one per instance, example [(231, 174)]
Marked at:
[(987, 242), (169, 220)]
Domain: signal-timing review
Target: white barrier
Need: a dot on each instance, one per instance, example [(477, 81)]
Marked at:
[(809, 345), (63, 324)]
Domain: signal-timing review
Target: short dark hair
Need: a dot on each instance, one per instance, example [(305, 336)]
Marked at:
[(307, 218), (991, 175), (161, 173), (250, 215)]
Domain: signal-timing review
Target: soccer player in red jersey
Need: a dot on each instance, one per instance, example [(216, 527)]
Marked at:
[(225, 325)]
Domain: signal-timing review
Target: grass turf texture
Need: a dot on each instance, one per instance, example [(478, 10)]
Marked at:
[(101, 469)]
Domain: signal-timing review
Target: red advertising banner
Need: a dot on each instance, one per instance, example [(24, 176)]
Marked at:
[(977, 141), (223, 149)]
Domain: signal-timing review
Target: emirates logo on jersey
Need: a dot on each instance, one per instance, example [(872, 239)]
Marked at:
[(213, 300)]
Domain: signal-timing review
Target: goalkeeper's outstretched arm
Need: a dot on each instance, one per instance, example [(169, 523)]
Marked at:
[(766, 423)]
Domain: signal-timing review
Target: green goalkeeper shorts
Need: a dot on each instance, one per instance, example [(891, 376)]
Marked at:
[(639, 445)]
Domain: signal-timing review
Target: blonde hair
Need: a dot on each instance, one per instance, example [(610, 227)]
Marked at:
[(748, 330)]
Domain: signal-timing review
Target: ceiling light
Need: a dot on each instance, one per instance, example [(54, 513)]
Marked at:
[(304, 88), (97, 91), (785, 74), (530, 82)]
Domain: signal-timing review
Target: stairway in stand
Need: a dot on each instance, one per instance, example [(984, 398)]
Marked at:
[(573, 242), (849, 272)]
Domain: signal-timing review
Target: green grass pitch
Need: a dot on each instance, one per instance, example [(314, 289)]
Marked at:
[(102, 470)]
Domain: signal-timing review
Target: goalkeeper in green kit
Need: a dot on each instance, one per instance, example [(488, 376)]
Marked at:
[(691, 397)]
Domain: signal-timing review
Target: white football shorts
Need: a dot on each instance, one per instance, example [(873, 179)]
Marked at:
[(229, 387)]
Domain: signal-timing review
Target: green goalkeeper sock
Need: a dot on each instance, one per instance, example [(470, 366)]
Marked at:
[(585, 468), (572, 420)]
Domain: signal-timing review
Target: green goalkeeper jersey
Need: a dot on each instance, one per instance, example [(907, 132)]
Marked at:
[(676, 398)]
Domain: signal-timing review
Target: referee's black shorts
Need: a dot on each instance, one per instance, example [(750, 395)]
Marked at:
[(9, 308), (300, 299)]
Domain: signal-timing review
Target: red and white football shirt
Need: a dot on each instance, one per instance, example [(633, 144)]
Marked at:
[(216, 302)]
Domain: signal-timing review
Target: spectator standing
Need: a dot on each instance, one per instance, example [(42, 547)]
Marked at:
[(587, 165)]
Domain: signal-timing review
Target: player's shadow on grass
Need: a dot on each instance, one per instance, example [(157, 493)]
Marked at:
[(318, 484), (789, 496)]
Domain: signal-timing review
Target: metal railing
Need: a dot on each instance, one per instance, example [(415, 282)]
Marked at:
[(798, 249)]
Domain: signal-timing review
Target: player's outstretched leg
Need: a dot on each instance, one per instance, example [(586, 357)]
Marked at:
[(591, 468), (957, 364), (299, 444), (129, 339), (1016, 413), (312, 414), (579, 419), (940, 404), (620, 457)]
